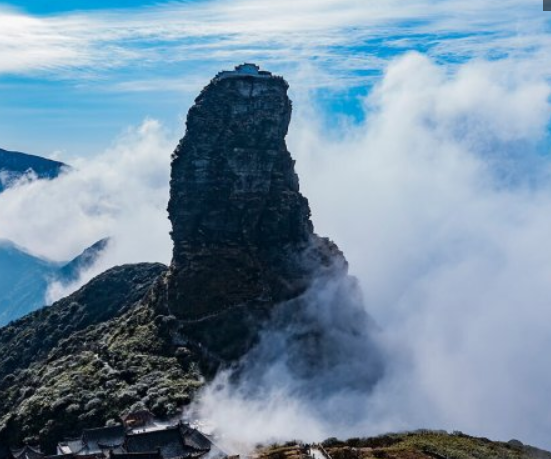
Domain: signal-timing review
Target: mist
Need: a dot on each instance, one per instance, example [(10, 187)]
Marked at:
[(121, 193), (440, 198), (441, 201), (318, 356)]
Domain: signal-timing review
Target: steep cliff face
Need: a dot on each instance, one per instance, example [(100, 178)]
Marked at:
[(243, 239)]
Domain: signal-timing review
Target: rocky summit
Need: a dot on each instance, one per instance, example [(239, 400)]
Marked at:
[(243, 238), (245, 256)]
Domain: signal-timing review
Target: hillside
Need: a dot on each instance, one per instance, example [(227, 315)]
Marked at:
[(13, 165), (88, 358), (409, 445)]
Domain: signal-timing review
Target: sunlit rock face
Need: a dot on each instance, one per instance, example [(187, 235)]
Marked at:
[(243, 239)]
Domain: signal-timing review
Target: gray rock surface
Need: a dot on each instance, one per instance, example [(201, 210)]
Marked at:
[(243, 238)]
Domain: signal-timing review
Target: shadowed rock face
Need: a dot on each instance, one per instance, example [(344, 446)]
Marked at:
[(233, 180), (243, 239)]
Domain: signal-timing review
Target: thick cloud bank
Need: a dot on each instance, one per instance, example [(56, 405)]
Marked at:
[(441, 200)]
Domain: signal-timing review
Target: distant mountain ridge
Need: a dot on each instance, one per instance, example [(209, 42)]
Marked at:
[(24, 277), (70, 271), (14, 165)]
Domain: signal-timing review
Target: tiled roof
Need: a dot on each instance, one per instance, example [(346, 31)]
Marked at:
[(72, 446), (96, 440), (27, 452), (174, 442), (60, 456), (169, 441), (195, 439)]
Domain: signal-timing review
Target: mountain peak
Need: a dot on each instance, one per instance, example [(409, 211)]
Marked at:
[(245, 258), (14, 165), (233, 179), (243, 238)]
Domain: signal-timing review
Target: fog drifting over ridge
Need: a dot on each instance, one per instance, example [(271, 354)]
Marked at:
[(121, 194), (441, 201)]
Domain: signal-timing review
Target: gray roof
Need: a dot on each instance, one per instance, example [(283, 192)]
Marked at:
[(173, 442), (169, 441), (196, 439), (244, 70), (97, 440), (73, 445), (27, 452)]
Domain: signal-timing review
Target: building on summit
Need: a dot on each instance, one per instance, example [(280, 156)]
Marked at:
[(246, 69)]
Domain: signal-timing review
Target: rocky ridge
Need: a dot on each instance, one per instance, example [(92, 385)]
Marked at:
[(420, 444)]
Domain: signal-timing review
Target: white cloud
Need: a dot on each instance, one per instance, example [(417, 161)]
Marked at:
[(441, 201), (121, 193), (327, 33)]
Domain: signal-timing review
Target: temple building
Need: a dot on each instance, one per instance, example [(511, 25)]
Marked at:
[(246, 69), (139, 436)]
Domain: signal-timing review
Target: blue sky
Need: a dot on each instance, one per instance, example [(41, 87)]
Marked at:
[(75, 74)]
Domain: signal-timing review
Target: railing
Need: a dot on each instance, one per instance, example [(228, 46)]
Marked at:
[(320, 449)]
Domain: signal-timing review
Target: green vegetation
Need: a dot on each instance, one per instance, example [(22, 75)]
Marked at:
[(430, 444), (109, 348), (422, 444), (291, 450), (90, 357)]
